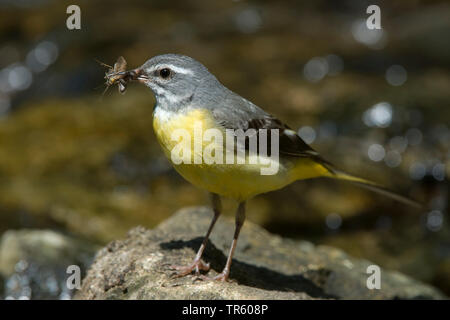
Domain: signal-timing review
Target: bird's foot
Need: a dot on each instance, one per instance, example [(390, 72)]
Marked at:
[(196, 267), (223, 277)]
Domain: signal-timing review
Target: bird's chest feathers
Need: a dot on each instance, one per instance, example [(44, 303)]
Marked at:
[(170, 127)]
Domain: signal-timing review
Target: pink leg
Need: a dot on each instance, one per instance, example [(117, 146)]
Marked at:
[(240, 218), (198, 265)]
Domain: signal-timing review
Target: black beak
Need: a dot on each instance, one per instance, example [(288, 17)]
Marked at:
[(138, 74)]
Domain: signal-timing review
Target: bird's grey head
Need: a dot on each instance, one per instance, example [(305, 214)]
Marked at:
[(174, 79)]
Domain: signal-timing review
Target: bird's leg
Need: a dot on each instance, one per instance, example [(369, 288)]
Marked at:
[(240, 218), (198, 264)]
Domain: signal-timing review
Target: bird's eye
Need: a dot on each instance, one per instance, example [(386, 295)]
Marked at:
[(165, 73)]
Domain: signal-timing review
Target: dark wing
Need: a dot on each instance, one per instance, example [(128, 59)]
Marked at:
[(249, 116)]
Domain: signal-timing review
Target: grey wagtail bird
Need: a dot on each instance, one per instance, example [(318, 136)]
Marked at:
[(187, 93)]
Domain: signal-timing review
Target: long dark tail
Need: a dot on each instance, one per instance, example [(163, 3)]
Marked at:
[(336, 174)]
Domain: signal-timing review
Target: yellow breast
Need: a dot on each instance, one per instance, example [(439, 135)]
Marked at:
[(167, 123)]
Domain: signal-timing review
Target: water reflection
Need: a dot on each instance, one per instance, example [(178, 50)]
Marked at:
[(333, 221), (434, 220), (307, 133), (375, 39), (248, 20), (393, 158), (18, 76), (42, 56), (379, 115), (376, 152), (396, 75), (318, 67), (398, 143), (414, 136), (417, 171), (315, 69), (438, 171)]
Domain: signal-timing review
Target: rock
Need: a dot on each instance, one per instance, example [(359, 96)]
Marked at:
[(266, 266), (34, 263)]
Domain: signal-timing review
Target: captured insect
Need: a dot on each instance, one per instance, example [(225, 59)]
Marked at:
[(116, 74)]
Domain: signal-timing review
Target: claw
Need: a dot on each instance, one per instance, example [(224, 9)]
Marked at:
[(223, 277), (196, 267)]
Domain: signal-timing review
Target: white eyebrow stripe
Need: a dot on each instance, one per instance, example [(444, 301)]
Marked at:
[(172, 67)]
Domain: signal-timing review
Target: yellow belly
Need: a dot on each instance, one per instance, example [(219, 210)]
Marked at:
[(238, 181)]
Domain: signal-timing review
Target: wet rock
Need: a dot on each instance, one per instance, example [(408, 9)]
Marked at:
[(266, 266), (33, 263)]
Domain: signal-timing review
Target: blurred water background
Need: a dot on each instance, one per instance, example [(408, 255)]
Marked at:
[(78, 170)]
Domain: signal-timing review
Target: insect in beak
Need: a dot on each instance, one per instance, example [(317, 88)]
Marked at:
[(117, 74)]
